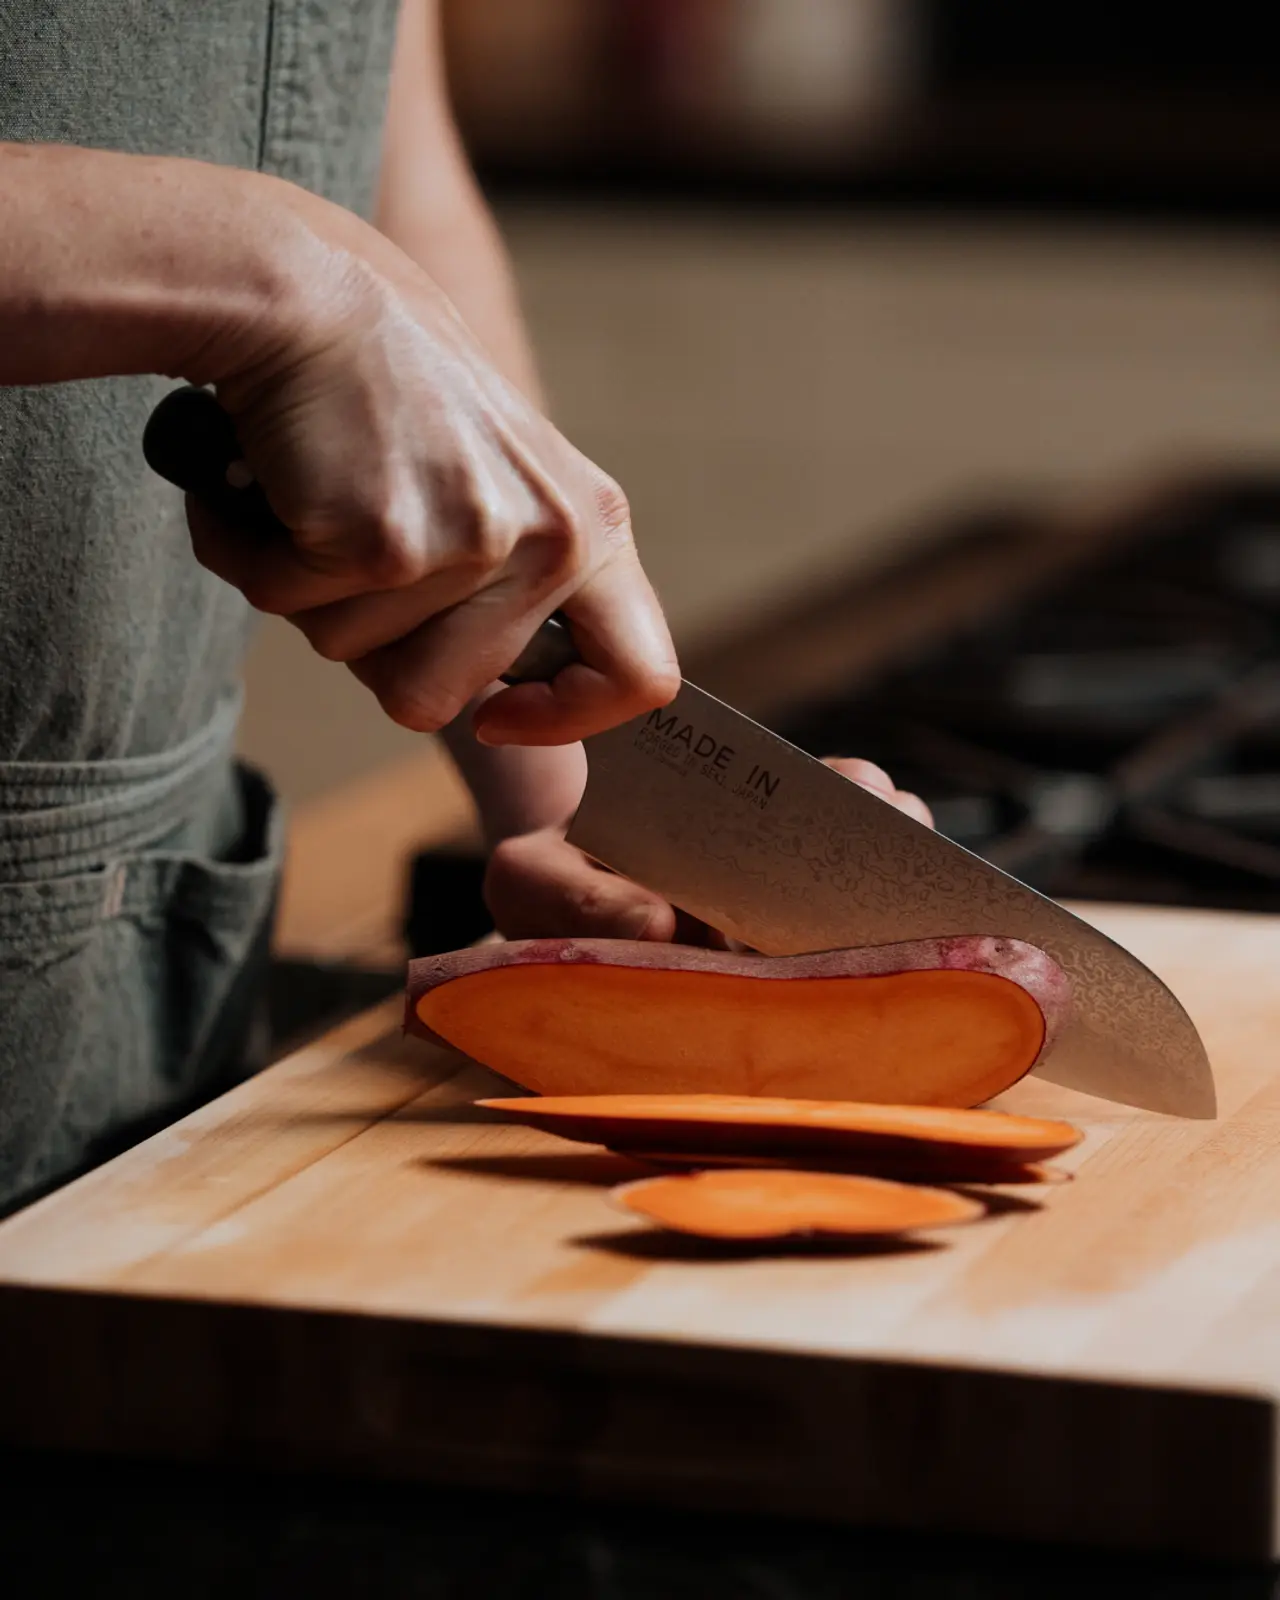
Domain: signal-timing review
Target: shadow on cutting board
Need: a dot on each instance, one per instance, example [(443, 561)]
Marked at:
[(605, 1168), (572, 1166), (655, 1244)]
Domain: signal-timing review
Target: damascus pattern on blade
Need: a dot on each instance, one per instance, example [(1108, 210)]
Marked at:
[(741, 829)]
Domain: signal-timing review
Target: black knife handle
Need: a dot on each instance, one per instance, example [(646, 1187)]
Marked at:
[(549, 651), (190, 441)]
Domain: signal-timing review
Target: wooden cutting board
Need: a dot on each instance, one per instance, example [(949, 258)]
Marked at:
[(342, 1265)]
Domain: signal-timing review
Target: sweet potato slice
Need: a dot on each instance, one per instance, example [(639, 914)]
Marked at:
[(778, 1205), (946, 1022), (948, 1166), (719, 1125)]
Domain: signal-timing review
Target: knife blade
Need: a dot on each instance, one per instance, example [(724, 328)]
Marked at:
[(757, 838)]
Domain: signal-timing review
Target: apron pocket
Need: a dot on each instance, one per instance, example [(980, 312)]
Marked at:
[(129, 993)]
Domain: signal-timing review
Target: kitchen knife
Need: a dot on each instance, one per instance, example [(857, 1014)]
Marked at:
[(756, 838)]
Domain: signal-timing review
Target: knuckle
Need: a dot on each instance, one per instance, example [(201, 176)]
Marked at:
[(517, 893), (613, 510), (481, 534), (390, 566), (652, 684), (508, 857), (555, 556), (393, 545), (589, 902), (377, 535), (494, 535), (418, 708), (328, 640), (265, 596)]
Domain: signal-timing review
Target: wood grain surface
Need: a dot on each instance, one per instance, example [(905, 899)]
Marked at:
[(342, 1264)]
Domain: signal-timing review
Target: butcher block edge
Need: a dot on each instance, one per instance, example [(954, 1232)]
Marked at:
[(885, 1444)]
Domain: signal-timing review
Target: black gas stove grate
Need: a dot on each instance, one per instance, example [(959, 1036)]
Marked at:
[(1115, 737)]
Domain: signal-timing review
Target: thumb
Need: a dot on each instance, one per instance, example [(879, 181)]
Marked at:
[(538, 886)]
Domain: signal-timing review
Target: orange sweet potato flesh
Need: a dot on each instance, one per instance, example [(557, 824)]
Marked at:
[(780, 1204), (947, 1022), (717, 1125)]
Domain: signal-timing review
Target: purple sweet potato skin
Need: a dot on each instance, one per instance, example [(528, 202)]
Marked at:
[(1024, 964)]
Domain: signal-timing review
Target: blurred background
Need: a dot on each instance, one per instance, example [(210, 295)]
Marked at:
[(830, 284)]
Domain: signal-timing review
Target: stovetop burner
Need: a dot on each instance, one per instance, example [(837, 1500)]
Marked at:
[(1116, 736)]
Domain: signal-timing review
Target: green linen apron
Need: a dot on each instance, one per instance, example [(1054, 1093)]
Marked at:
[(138, 860)]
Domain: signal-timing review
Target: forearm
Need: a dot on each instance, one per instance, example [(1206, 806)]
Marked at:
[(430, 206), (453, 237), (120, 264)]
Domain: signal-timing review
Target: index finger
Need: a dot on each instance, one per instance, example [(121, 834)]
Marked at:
[(628, 665)]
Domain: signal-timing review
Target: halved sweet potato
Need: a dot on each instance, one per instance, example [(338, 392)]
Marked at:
[(780, 1205), (947, 1022), (719, 1125)]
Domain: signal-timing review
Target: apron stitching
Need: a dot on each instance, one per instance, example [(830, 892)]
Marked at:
[(78, 825), (264, 116), (113, 897)]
